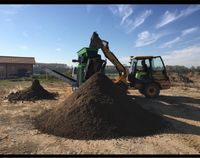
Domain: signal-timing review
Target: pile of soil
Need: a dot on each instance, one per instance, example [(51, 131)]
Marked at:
[(35, 92), (97, 110)]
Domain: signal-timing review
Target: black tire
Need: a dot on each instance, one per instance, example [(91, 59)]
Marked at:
[(151, 90), (122, 86), (141, 90)]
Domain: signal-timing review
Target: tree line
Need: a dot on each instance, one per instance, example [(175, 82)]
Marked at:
[(182, 69), (109, 69)]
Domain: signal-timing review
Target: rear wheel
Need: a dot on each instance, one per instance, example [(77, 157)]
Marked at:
[(151, 90)]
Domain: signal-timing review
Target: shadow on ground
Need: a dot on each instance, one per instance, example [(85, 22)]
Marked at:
[(177, 108)]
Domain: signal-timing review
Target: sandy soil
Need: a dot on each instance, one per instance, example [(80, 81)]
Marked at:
[(179, 105)]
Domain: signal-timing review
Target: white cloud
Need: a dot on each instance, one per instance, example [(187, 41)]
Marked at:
[(169, 17), (124, 12), (189, 31), (179, 38), (188, 57), (191, 41), (191, 9), (138, 21), (146, 38), (58, 49), (125, 60), (170, 43), (23, 47)]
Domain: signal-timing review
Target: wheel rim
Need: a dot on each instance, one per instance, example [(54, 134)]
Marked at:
[(151, 91)]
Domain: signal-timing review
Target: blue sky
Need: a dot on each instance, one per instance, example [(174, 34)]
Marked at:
[(54, 33)]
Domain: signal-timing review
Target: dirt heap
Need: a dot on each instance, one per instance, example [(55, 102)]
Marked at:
[(35, 92), (98, 109)]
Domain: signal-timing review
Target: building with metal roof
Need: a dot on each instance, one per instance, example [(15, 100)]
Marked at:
[(13, 67)]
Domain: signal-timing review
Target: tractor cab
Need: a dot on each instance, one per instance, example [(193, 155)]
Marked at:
[(148, 75)]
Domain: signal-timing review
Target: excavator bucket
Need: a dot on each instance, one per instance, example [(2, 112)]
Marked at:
[(95, 41)]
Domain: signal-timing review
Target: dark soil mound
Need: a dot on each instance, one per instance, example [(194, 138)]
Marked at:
[(35, 92), (98, 109)]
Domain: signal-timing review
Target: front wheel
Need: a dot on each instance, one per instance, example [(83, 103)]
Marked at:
[(141, 90), (151, 90), (122, 86)]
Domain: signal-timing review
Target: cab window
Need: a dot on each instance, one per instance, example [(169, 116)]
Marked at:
[(157, 64), (157, 68), (139, 64)]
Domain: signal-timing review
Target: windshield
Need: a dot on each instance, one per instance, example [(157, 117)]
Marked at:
[(132, 67), (157, 64)]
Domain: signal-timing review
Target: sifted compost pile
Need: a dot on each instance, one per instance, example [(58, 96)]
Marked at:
[(35, 92), (98, 109)]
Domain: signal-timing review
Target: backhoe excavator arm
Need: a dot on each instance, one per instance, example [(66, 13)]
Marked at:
[(96, 42)]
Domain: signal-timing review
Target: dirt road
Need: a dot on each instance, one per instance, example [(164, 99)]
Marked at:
[(179, 105)]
